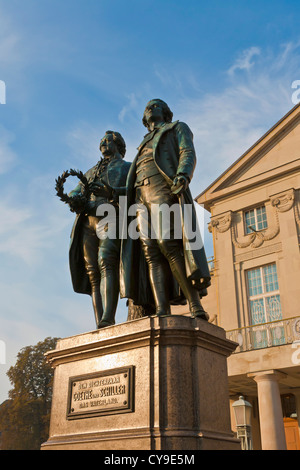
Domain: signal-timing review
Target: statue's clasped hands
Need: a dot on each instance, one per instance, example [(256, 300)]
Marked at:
[(102, 189)]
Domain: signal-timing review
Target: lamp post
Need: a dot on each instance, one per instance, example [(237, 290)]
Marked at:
[(242, 412)]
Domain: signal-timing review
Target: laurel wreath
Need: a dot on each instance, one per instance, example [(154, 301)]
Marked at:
[(76, 203)]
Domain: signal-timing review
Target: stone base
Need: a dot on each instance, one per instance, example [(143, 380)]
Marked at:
[(176, 397)]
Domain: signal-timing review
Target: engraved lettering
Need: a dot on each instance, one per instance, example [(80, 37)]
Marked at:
[(102, 394), (79, 396)]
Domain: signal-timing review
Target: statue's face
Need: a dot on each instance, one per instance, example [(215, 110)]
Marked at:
[(108, 146), (154, 112)]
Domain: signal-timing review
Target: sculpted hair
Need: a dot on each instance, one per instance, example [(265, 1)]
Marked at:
[(167, 113), (120, 142)]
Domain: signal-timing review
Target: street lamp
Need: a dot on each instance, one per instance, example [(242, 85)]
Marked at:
[(242, 412)]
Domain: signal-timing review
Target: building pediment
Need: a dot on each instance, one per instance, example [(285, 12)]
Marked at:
[(274, 155)]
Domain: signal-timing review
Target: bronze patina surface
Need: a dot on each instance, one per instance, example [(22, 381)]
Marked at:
[(94, 262), (161, 174), (152, 272)]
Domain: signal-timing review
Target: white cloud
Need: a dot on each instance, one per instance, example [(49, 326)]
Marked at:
[(28, 229), (36, 293), (225, 124), (2, 92), (131, 106), (244, 61), (9, 41), (82, 140), (228, 122), (8, 157), (171, 78), (9, 48)]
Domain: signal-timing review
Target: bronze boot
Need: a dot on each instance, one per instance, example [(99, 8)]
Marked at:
[(109, 287), (159, 283), (191, 294), (97, 304)]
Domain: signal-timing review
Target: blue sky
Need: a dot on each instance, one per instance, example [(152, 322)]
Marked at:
[(74, 69)]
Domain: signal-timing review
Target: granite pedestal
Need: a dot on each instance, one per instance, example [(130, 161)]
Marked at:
[(148, 384)]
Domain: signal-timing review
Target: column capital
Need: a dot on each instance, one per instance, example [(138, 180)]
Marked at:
[(269, 375)]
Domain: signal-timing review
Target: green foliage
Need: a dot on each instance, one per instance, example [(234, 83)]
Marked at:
[(24, 419)]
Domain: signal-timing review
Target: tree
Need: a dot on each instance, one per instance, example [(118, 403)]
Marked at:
[(24, 421)]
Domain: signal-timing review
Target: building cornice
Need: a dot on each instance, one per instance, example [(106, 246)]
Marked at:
[(225, 186)]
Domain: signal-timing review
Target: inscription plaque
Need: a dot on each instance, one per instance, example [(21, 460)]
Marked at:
[(102, 393)]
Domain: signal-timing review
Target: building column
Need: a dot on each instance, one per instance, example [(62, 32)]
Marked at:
[(296, 393), (270, 409)]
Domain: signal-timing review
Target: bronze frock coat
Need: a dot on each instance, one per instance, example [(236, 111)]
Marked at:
[(174, 154), (115, 175)]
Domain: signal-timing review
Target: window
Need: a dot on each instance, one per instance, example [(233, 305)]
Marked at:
[(256, 219), (265, 305)]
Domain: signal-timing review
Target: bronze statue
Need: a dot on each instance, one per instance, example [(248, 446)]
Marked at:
[(94, 260), (170, 270)]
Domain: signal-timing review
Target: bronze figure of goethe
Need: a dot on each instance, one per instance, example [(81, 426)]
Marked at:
[(94, 258), (171, 270)]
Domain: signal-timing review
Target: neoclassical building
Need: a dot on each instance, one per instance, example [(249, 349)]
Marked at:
[(255, 292)]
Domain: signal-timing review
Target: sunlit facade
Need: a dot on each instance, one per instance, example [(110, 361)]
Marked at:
[(255, 293)]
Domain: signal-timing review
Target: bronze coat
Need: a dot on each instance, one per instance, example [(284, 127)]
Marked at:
[(174, 154), (115, 175)]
